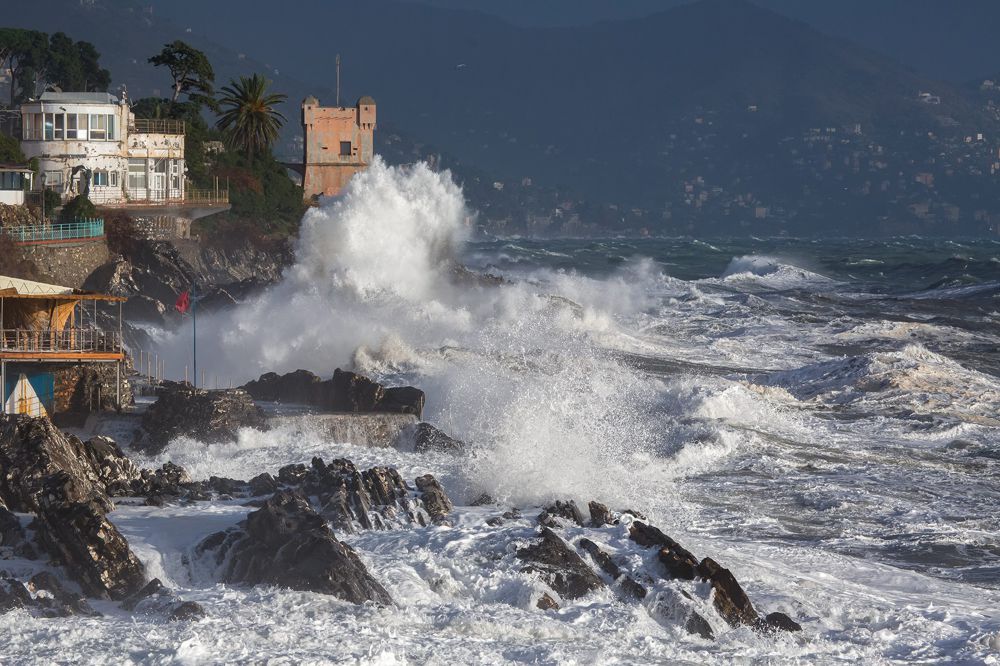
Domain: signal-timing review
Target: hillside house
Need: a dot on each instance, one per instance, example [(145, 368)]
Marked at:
[(14, 180)]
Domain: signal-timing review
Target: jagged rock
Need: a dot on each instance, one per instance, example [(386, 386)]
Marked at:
[(679, 562), (300, 387), (31, 451), (13, 537), (208, 416), (355, 393), (377, 498), (187, 610), (79, 536), (286, 543), (698, 625), (13, 594), (45, 585), (428, 438), (113, 468), (546, 602), (482, 500), (600, 515), (567, 511), (628, 585), (402, 400), (434, 498), (263, 484), (782, 622), (730, 600), (559, 566), (156, 599)]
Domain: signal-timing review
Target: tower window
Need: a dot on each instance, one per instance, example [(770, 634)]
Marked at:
[(345, 148)]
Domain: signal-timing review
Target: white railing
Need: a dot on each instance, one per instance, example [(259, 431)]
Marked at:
[(72, 340)]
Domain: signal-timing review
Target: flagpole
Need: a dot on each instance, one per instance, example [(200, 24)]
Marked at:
[(194, 331)]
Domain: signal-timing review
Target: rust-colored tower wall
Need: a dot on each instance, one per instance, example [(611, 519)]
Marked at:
[(338, 143)]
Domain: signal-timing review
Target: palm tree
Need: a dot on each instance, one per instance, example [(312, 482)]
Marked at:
[(248, 116)]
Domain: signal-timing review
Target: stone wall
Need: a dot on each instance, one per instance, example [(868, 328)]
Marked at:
[(68, 264)]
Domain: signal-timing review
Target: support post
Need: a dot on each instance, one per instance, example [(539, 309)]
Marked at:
[(118, 386), (3, 387)]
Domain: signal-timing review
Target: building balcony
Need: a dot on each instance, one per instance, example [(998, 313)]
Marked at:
[(156, 126), (68, 344)]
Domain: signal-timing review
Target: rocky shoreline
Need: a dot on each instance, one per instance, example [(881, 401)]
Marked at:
[(57, 491)]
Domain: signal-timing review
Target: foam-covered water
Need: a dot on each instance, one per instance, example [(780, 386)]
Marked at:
[(821, 417)]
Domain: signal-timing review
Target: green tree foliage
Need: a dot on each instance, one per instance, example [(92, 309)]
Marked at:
[(248, 118), (190, 70), (10, 151), (22, 52), (36, 61), (78, 208)]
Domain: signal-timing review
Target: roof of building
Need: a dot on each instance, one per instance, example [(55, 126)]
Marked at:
[(367, 99), (15, 168), (80, 97), (11, 287), (311, 101)]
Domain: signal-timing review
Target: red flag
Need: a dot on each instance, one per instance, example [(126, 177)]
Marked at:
[(183, 302)]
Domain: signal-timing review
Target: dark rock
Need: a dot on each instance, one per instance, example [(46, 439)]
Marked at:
[(112, 466), (402, 400), (68, 602), (600, 515), (434, 498), (546, 602), (13, 536), (355, 393), (559, 566), (286, 543), (263, 484), (187, 610), (31, 451), (628, 586), (427, 438), (293, 474), (699, 626), (679, 562), (782, 622), (300, 387), (226, 486), (86, 543), (13, 594), (565, 510), (482, 500), (730, 600), (208, 416)]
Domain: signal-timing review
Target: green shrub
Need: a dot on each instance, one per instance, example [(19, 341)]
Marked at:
[(79, 208)]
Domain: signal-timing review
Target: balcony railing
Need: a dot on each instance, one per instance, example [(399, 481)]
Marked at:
[(157, 126), (53, 233), (70, 340)]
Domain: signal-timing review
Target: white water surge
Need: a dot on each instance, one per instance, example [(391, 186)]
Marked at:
[(856, 494)]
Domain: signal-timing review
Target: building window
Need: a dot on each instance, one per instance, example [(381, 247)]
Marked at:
[(70, 125), (345, 148), (98, 127), (53, 180), (113, 179), (112, 134), (11, 181), (101, 179), (175, 175), (34, 125), (137, 174)]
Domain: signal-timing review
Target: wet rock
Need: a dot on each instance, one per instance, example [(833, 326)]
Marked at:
[(699, 626), (263, 484), (566, 511), (628, 586), (286, 543), (600, 515), (300, 387), (13, 594), (113, 468), (426, 438), (559, 566), (355, 393), (482, 500), (80, 537), (187, 611), (31, 451), (678, 561), (730, 600), (434, 498), (780, 621), (45, 585), (402, 400), (208, 416), (13, 537), (546, 602)]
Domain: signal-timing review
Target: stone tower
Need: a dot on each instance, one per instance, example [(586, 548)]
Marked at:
[(339, 142)]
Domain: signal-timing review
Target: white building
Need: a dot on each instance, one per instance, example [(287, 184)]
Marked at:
[(14, 179), (81, 136)]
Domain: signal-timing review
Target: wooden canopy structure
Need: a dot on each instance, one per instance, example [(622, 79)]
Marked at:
[(44, 323)]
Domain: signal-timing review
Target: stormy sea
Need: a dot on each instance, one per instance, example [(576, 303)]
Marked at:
[(818, 416)]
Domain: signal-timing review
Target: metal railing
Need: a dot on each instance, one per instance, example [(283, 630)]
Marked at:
[(207, 196), (157, 126), (72, 340), (44, 233)]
